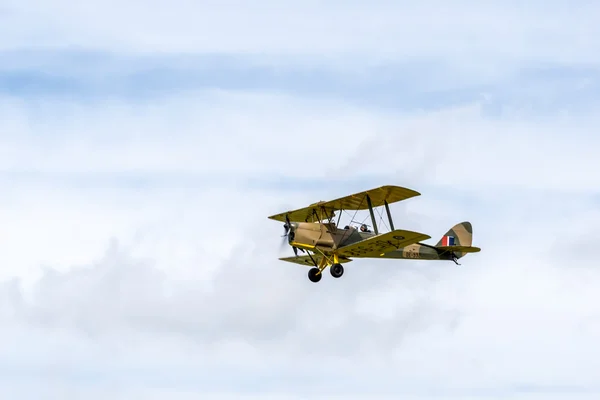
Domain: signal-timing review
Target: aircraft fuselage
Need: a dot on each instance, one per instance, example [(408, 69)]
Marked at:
[(327, 237)]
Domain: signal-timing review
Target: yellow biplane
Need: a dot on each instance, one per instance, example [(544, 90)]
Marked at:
[(312, 230)]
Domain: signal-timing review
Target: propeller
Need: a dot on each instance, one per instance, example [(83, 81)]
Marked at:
[(287, 227), (283, 241)]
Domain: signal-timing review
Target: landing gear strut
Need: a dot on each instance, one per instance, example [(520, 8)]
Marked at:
[(316, 273)]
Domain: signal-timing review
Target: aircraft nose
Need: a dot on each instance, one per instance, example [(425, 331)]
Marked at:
[(289, 229)]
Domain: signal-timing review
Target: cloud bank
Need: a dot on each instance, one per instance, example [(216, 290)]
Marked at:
[(137, 257)]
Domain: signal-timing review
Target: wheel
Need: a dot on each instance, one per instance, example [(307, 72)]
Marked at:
[(314, 275), (336, 270)]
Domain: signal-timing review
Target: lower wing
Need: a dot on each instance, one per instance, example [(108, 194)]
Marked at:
[(380, 244), (306, 260)]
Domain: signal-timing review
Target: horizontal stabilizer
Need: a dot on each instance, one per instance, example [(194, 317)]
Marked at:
[(460, 249)]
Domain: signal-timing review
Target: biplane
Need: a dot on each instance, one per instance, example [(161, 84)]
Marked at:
[(313, 231)]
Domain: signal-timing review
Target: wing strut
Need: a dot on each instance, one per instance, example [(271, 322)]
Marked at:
[(387, 210), (372, 215)]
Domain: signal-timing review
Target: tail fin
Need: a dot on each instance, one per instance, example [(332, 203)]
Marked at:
[(459, 239)]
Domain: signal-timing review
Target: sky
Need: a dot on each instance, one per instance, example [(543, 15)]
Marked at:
[(144, 144)]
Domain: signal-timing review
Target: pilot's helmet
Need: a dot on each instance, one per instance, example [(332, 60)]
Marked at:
[(363, 227)]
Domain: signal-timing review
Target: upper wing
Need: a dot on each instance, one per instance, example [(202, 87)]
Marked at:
[(380, 244), (305, 260), (313, 212), (358, 201), (378, 197)]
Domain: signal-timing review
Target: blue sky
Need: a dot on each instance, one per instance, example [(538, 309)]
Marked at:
[(408, 85), (142, 147)]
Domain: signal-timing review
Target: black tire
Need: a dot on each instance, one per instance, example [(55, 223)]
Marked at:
[(314, 275), (336, 270)]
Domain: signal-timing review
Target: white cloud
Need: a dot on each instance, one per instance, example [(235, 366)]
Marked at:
[(214, 136), (482, 38), (193, 283), (171, 287), (188, 134)]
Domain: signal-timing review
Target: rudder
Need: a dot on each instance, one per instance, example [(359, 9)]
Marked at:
[(459, 235)]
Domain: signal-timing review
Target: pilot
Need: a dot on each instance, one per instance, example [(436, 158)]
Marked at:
[(363, 228)]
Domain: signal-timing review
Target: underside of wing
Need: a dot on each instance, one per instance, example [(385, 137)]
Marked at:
[(307, 261), (378, 245)]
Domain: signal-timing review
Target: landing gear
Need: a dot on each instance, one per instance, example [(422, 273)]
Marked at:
[(314, 274), (336, 270)]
